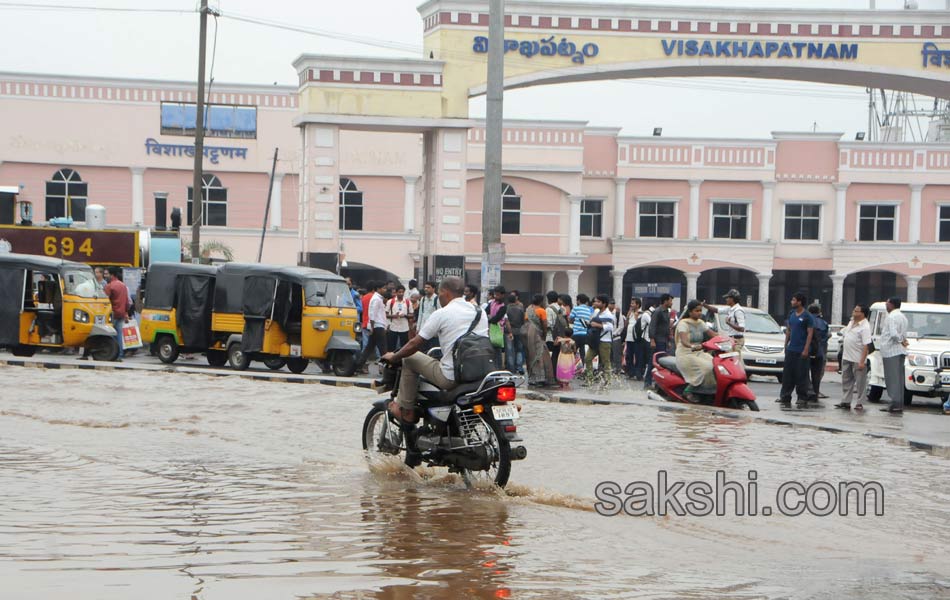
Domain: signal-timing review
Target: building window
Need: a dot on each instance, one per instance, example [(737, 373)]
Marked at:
[(943, 223), (730, 220), (802, 221), (592, 217), (66, 196), (221, 120), (510, 210), (215, 197), (351, 206), (657, 219), (878, 223)]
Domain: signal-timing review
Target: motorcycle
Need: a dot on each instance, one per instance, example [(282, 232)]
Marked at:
[(731, 390), (470, 429)]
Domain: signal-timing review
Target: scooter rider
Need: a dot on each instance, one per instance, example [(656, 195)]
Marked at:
[(447, 324), (734, 322)]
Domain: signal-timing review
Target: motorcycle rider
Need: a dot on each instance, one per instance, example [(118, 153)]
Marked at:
[(447, 324), (693, 362)]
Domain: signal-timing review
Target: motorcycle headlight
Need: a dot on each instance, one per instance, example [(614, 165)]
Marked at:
[(921, 360), (726, 346), (80, 316)]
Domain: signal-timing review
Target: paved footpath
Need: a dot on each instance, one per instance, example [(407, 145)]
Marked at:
[(922, 427)]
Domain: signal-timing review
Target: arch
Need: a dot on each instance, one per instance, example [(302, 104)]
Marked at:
[(510, 209), (351, 206), (66, 195), (648, 282), (833, 73), (902, 269), (935, 287), (214, 198), (870, 285), (714, 283)]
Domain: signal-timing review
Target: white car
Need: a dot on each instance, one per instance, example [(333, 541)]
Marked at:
[(834, 341), (927, 366), (764, 351)]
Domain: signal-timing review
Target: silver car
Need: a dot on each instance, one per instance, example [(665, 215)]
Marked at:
[(764, 351)]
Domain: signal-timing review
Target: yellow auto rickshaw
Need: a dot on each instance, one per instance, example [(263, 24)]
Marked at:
[(53, 303), (285, 315), (177, 313)]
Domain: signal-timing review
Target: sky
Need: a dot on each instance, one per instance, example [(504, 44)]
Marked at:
[(165, 45)]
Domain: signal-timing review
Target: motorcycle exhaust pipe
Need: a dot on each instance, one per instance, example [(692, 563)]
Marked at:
[(519, 453)]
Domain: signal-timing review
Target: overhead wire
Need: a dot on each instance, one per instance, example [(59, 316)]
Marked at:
[(80, 7)]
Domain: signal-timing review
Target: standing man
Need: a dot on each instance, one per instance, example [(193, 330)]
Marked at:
[(634, 335), (659, 333), (854, 355), (619, 332), (818, 352), (357, 300), (100, 278), (428, 304), (413, 288), (118, 295), (893, 348), (579, 316), (496, 309), (398, 311), (599, 337), (514, 342), (733, 322), (799, 330), (376, 323)]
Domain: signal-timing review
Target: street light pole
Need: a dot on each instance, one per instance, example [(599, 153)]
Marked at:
[(197, 190), (492, 249)]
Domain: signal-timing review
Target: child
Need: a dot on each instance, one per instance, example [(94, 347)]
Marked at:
[(565, 361)]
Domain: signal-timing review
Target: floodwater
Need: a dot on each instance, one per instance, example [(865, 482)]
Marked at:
[(160, 485)]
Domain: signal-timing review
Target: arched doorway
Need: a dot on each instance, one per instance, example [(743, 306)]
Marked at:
[(648, 283), (934, 288), (872, 286), (714, 283), (814, 284)]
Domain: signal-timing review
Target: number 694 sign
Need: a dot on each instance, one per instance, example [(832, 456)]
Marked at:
[(101, 247)]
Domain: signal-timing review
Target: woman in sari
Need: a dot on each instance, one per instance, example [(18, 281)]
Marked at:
[(540, 369), (693, 362)]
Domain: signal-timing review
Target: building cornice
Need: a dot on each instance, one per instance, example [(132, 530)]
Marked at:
[(54, 79)]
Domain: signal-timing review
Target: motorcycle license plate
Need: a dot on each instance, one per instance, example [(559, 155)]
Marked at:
[(765, 361), (504, 413)]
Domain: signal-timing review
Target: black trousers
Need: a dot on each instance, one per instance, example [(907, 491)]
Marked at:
[(396, 339), (795, 376), (580, 340), (377, 341), (816, 371)]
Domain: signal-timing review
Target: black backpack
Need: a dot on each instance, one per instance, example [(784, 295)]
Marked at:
[(561, 327), (474, 354), (515, 316)]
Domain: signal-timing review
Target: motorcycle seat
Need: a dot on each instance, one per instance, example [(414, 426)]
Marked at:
[(669, 363), (446, 397)]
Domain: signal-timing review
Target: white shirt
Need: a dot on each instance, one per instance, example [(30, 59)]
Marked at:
[(399, 311), (645, 323), (377, 311), (855, 337), (621, 325), (448, 324), (607, 320), (427, 306), (733, 315), (893, 334)]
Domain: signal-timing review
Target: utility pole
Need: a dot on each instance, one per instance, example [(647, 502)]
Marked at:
[(492, 248), (197, 193)]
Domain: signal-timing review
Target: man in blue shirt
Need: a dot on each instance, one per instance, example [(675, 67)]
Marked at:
[(356, 298), (799, 330), (580, 318)]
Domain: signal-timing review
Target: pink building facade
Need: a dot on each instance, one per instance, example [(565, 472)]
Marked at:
[(584, 208)]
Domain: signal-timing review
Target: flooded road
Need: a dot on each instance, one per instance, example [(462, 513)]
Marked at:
[(159, 485)]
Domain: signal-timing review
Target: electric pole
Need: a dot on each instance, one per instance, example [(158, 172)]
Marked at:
[(197, 190), (492, 248)]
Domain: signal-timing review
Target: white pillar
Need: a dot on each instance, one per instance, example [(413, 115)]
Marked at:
[(548, 278), (916, 190), (573, 276), (620, 203), (912, 282), (618, 287), (138, 195), (276, 202), (409, 204), (694, 208), (574, 234), (764, 279), (837, 298), (841, 198), (691, 279), (768, 198)]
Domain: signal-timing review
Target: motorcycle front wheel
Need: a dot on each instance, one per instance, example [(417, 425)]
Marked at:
[(489, 434), (381, 437)]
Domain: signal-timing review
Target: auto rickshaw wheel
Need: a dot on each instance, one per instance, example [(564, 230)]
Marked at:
[(24, 351), (168, 350), (103, 348), (238, 359), (217, 358), (344, 363), (297, 365), (275, 364)]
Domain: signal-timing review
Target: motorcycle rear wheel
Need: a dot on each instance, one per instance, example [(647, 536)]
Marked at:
[(490, 433)]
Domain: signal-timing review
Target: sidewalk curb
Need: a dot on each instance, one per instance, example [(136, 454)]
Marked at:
[(935, 449), (101, 366)]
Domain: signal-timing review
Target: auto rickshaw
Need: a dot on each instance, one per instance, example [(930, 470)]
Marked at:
[(285, 315), (53, 303), (177, 313)]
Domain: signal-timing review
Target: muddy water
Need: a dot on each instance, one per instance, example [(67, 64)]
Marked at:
[(184, 486)]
